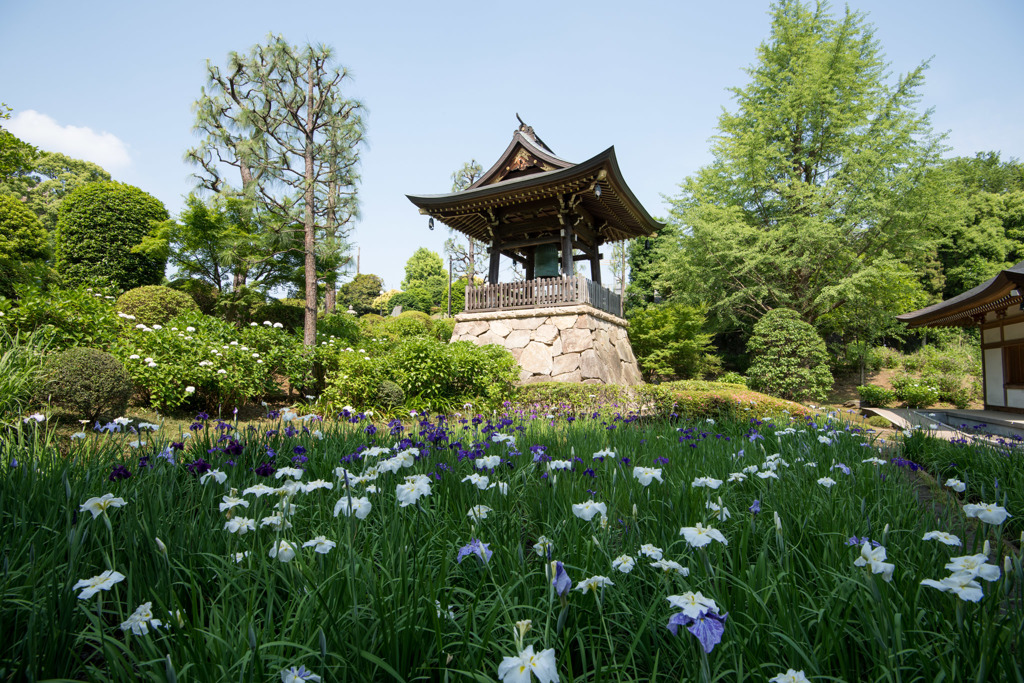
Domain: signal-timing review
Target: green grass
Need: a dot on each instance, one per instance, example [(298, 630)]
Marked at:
[(366, 611)]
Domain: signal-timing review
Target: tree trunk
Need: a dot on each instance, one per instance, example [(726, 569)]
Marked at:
[(309, 328), (330, 299)]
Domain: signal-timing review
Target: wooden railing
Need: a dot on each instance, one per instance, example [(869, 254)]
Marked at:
[(541, 293)]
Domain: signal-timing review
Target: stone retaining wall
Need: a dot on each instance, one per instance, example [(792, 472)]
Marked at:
[(558, 344)]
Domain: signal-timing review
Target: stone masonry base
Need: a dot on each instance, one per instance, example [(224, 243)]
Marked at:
[(559, 344)]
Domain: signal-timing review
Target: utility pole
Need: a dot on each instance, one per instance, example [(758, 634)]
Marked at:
[(450, 285)]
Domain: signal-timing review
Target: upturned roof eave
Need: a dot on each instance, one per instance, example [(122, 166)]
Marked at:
[(961, 309), (605, 160)]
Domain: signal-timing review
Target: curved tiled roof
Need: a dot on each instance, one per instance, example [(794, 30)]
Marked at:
[(961, 310)]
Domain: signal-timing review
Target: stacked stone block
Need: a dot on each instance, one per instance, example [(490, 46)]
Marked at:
[(559, 344)]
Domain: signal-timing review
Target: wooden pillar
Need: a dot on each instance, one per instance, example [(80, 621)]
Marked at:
[(567, 269), (531, 262), (492, 276), (595, 267)]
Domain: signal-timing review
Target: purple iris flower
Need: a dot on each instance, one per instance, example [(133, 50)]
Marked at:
[(266, 469), (561, 580), (475, 547), (198, 467), (120, 472), (708, 627), (841, 466), (756, 507)]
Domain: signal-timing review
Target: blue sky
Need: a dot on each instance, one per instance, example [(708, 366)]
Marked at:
[(114, 82)]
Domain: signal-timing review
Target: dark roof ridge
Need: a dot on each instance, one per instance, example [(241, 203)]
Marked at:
[(520, 138)]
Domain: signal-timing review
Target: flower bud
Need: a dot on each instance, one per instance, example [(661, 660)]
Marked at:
[(523, 626), (634, 510), (987, 548), (160, 545), (885, 535), (604, 522), (778, 522), (1007, 565)]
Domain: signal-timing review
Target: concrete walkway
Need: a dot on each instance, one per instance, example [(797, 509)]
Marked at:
[(955, 424)]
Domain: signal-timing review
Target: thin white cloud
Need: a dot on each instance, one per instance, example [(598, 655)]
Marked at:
[(105, 149)]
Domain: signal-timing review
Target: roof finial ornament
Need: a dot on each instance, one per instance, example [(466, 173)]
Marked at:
[(528, 130)]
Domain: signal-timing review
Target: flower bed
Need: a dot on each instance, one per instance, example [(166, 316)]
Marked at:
[(589, 548)]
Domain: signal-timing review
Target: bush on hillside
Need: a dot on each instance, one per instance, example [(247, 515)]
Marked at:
[(732, 377), (875, 396), (155, 305), (915, 392), (87, 382), (82, 316), (788, 358)]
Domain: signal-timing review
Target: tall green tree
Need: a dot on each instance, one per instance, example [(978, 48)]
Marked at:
[(986, 231), (425, 281), (47, 179), (16, 155), (816, 174), (212, 242), (24, 245), (360, 292), (643, 259), (278, 117)]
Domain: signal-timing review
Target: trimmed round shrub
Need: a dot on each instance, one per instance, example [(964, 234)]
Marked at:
[(788, 358), (87, 382), (442, 329), (420, 317), (97, 226), (369, 322), (390, 395), (155, 305), (202, 292)]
